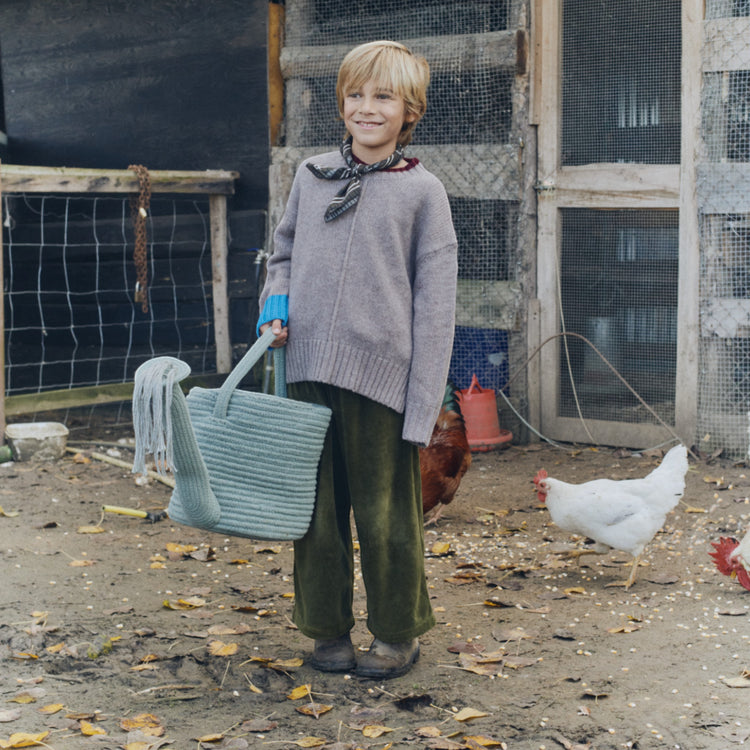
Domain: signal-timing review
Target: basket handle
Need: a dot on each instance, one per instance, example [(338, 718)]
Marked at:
[(243, 367)]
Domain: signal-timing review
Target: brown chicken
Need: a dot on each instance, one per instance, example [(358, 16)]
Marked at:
[(445, 460)]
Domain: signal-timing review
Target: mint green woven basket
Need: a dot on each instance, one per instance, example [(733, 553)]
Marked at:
[(245, 463)]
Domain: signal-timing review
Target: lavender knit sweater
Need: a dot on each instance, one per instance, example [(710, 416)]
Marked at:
[(371, 294)]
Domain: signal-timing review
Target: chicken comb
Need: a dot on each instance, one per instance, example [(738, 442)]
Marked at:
[(540, 475), (721, 555)]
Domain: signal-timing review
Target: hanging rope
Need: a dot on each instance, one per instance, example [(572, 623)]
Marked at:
[(139, 206)]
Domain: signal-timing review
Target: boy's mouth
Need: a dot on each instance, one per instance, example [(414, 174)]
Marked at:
[(367, 124)]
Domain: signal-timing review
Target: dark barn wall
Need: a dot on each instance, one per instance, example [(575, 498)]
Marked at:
[(168, 84), (165, 83)]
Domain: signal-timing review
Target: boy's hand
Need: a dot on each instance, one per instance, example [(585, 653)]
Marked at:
[(282, 333)]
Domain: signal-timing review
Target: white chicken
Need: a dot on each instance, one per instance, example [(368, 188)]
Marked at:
[(617, 514)]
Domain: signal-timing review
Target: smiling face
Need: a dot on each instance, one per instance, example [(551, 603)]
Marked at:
[(374, 117)]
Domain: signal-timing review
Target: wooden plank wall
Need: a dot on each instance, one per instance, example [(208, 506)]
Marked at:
[(171, 85)]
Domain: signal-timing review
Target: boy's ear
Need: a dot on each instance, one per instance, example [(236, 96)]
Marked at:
[(410, 117)]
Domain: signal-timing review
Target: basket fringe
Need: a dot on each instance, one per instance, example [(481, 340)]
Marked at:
[(155, 381)]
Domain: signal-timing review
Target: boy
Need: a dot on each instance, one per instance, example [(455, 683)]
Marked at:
[(361, 288)]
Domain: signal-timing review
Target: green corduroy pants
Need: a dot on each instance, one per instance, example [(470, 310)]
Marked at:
[(368, 470)]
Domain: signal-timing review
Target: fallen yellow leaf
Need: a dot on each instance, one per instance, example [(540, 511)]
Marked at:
[(229, 629), (140, 721), (314, 709), (8, 513), (90, 530), (467, 714), (52, 708), (428, 732), (89, 730), (440, 548), (210, 738), (22, 698), (24, 739), (375, 730), (484, 741), (81, 563), (285, 664), (310, 742), (181, 549), (190, 603), (624, 629), (219, 648), (302, 691)]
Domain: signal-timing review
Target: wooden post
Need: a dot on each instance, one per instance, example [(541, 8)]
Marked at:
[(688, 328), (218, 206), (2, 326), (275, 77)]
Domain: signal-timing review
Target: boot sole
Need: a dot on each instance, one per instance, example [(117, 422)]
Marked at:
[(327, 667)]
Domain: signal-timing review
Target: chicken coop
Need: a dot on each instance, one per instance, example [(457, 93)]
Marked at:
[(596, 159), (596, 156), (475, 137), (642, 243)]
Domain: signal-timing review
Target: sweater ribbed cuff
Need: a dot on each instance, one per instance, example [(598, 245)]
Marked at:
[(276, 308)]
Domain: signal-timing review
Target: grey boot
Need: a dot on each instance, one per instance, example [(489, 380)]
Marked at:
[(334, 654), (385, 660)]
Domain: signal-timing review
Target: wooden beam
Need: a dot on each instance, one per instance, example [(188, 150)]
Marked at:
[(24, 179), (67, 398), (93, 395), (504, 185), (219, 253), (618, 186), (2, 328), (494, 49)]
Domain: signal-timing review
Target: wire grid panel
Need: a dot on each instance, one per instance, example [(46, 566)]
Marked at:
[(469, 138), (70, 315), (618, 268), (723, 193), (619, 279)]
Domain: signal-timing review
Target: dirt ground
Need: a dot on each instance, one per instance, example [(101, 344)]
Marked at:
[(149, 635)]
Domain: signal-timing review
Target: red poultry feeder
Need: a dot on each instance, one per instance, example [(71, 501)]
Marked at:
[(479, 410)]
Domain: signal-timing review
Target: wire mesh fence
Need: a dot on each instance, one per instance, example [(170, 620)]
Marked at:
[(723, 182), (473, 137), (71, 317), (75, 327)]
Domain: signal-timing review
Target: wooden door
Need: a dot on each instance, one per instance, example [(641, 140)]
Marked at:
[(617, 239)]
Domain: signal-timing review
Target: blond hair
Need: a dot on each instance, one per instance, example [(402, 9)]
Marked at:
[(391, 66)]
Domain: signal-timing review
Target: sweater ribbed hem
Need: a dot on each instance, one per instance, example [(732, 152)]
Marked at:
[(347, 367)]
